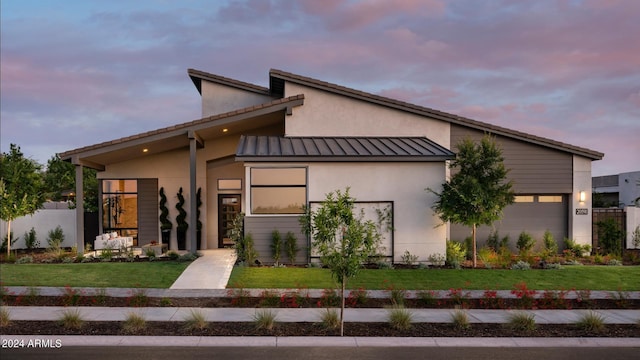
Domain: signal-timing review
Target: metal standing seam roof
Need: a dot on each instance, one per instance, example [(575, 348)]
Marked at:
[(378, 149)]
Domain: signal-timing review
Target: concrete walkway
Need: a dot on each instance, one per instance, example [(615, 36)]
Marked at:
[(95, 313), (210, 271)]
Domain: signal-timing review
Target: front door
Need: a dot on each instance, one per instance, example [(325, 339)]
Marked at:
[(228, 209)]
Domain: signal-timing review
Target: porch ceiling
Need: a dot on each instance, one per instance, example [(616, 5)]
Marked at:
[(244, 121)]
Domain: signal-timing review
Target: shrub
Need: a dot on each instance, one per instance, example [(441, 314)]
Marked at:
[(330, 298), (399, 317), (635, 238), (138, 298), (291, 246), (264, 319), (610, 236), (437, 259), (5, 317), (269, 298), (396, 295), (591, 322), (250, 254), (330, 319), (427, 297), (550, 244), (614, 262), (486, 255), (173, 255), (187, 257), (521, 265), (134, 323), (24, 260), (30, 240), (55, 238), (195, 320), (71, 319), (521, 321), (460, 319), (525, 243), (408, 258), (165, 302), (492, 240), (576, 249), (455, 254), (382, 264), (552, 266), (276, 246), (359, 296)]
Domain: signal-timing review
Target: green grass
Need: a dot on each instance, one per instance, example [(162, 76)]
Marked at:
[(159, 274), (625, 278)]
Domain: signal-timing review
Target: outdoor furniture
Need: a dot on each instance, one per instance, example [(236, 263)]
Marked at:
[(108, 241)]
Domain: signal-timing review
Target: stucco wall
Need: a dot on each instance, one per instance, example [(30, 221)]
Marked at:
[(415, 223), (43, 221), (218, 99), (326, 114), (580, 225), (633, 221), (172, 171)]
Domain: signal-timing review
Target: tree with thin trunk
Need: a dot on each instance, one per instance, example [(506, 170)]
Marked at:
[(478, 190), (343, 239), (21, 187)]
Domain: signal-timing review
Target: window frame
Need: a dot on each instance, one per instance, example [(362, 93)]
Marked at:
[(251, 186)]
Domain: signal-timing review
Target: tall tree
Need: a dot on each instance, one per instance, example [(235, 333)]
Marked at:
[(479, 191), (343, 239), (60, 177), (21, 187)]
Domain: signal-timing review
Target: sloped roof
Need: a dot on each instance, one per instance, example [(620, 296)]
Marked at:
[(197, 76), (378, 149), (279, 77), (173, 136)]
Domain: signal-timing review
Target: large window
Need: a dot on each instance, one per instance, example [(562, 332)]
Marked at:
[(120, 206), (278, 190)]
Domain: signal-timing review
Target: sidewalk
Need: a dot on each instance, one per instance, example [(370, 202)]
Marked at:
[(94, 313)]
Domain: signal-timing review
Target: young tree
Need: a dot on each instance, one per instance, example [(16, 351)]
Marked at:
[(344, 240), (21, 187), (478, 192)]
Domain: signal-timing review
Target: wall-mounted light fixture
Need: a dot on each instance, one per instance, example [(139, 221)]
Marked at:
[(583, 196)]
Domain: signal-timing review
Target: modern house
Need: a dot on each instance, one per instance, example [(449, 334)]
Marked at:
[(267, 151), (618, 190)]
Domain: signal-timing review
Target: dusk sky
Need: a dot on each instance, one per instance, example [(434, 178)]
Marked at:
[(76, 73)]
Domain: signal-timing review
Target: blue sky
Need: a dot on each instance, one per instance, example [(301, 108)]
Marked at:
[(75, 73)]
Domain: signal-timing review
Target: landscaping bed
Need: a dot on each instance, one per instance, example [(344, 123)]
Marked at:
[(164, 328), (288, 301)]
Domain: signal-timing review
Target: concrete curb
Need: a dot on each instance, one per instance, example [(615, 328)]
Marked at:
[(272, 341)]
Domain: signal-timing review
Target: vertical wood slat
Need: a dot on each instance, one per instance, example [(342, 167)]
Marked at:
[(148, 211)]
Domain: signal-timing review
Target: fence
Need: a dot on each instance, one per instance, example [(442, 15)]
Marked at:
[(626, 219)]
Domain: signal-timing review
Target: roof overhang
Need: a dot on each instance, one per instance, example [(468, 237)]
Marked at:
[(177, 137)]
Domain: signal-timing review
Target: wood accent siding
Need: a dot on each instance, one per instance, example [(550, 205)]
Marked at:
[(148, 208), (261, 228), (533, 168)]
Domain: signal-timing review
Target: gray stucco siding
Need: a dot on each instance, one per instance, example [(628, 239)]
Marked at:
[(261, 227), (534, 169)]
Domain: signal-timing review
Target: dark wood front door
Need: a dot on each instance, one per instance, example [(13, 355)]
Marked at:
[(228, 209)]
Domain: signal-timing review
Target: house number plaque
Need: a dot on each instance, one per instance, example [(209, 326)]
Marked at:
[(582, 211)]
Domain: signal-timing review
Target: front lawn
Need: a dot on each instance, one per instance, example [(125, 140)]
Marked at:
[(613, 278), (160, 274)]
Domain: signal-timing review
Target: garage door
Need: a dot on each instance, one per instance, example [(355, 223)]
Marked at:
[(531, 213)]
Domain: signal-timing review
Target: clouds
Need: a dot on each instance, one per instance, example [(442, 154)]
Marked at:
[(103, 70)]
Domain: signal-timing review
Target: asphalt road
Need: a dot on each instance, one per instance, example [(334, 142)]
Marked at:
[(322, 353)]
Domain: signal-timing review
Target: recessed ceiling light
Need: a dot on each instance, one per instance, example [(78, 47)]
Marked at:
[(145, 150), (225, 130)]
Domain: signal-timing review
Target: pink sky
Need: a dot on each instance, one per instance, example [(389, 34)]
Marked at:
[(75, 73)]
